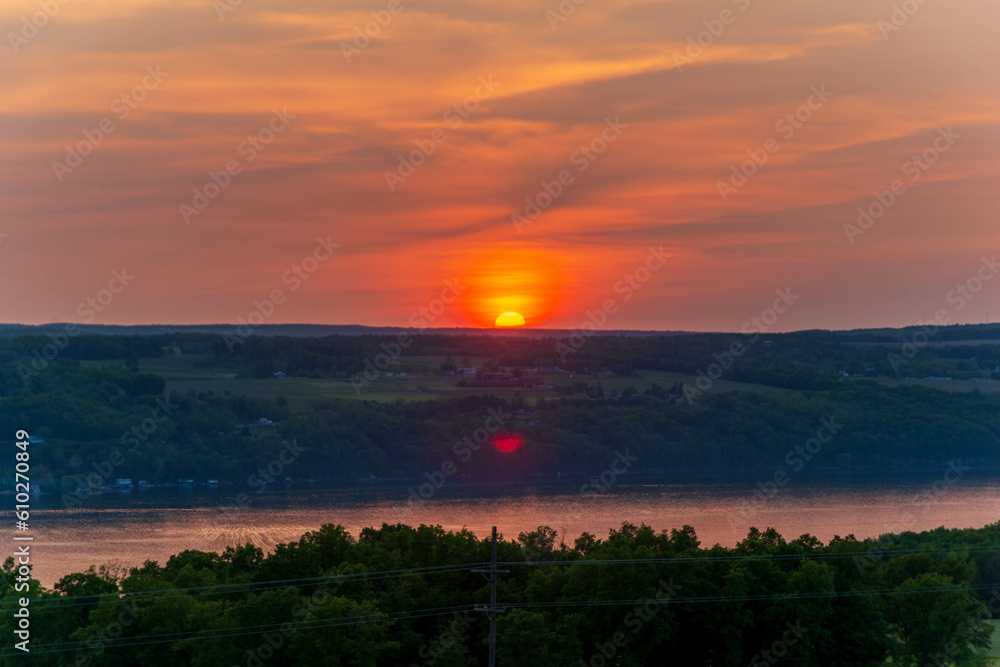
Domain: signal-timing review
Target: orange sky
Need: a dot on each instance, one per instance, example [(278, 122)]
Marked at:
[(535, 97)]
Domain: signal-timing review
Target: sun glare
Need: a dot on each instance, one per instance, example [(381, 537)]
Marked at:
[(510, 319), (511, 289), (508, 443)]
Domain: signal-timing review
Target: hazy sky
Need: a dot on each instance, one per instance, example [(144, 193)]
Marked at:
[(114, 113)]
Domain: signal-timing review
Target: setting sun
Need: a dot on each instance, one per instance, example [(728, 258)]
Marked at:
[(511, 287), (510, 319)]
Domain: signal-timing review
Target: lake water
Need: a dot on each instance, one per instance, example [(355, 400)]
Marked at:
[(130, 528)]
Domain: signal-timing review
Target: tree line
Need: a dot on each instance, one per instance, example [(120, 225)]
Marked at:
[(401, 595)]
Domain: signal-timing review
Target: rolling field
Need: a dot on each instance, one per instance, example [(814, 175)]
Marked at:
[(981, 384), (183, 374)]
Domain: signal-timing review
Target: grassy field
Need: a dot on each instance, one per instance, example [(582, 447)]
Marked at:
[(930, 343), (183, 374), (947, 385)]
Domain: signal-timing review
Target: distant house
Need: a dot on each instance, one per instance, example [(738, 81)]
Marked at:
[(263, 421), (500, 375), (466, 371), (124, 482), (278, 374), (501, 379)]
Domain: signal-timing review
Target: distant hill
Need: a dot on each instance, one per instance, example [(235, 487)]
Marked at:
[(303, 330)]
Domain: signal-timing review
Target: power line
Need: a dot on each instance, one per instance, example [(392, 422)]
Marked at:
[(492, 609), (257, 586), (421, 613), (492, 574), (124, 642), (254, 586), (782, 597), (262, 628)]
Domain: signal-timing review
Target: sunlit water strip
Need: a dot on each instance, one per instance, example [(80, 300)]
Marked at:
[(129, 528)]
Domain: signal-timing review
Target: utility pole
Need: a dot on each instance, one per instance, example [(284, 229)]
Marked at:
[(492, 610)]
